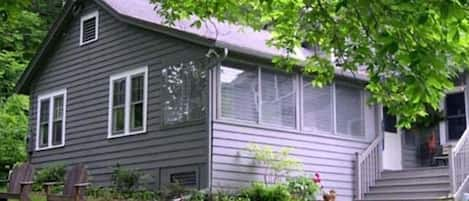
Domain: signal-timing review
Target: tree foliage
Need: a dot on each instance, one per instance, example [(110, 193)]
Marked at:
[(14, 126), (22, 27), (411, 49)]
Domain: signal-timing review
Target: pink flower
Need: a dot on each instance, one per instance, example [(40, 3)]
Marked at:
[(317, 179)]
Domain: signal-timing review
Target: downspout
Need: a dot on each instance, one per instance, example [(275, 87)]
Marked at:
[(212, 102)]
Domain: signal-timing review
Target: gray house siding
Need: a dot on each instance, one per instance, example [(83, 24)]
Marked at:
[(331, 155), (85, 71)]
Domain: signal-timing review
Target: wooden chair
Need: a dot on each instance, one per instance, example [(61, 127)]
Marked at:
[(74, 186), (19, 183)]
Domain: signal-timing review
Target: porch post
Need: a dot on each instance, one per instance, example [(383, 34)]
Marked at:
[(466, 98), (452, 176), (358, 177)]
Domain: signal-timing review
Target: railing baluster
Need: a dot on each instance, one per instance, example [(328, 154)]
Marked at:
[(368, 167), (458, 163)]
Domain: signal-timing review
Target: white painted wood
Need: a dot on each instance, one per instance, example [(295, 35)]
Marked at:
[(392, 157), (94, 14), (127, 75), (51, 96)]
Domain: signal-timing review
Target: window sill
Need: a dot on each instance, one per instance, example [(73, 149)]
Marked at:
[(87, 42), (365, 139), (126, 134), (182, 124), (50, 148)]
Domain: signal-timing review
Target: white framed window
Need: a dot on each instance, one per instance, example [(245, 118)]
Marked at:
[(128, 92), (50, 127), (89, 28)]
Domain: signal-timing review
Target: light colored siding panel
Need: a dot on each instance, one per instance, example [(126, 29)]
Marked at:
[(331, 156), (85, 72)]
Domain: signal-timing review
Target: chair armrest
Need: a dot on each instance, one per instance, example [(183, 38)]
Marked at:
[(48, 185), (52, 183), (82, 185), (25, 183)]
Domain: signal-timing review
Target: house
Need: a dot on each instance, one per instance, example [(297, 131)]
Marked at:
[(112, 84)]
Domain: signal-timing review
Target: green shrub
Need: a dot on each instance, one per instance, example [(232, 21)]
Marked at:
[(125, 181), (53, 173), (263, 192), (276, 163), (303, 188)]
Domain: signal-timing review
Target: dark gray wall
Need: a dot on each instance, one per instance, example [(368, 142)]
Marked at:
[(84, 72)]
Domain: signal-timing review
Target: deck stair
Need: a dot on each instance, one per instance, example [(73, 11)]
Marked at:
[(416, 184)]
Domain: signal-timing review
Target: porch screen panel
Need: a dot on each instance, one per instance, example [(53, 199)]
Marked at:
[(278, 99), (239, 93), (349, 111), (317, 107)]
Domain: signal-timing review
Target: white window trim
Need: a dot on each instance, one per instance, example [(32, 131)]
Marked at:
[(51, 96), (127, 76), (94, 14)]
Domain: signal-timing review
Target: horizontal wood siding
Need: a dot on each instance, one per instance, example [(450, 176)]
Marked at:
[(331, 156), (84, 71)]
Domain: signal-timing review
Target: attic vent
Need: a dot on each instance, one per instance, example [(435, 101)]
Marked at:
[(89, 28), (184, 178)]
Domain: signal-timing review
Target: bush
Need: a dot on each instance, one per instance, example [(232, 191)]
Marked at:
[(276, 163), (263, 192), (303, 188), (54, 173), (125, 181)]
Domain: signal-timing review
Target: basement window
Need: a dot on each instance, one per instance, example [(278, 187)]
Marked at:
[(186, 179), (89, 28)]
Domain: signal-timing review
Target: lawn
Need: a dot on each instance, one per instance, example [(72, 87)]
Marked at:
[(34, 196)]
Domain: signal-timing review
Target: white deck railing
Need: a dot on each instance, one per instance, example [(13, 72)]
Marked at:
[(459, 165), (368, 167)]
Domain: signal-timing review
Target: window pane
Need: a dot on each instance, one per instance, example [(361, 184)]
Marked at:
[(137, 88), (317, 107), (455, 104), (456, 115), (45, 110), (57, 133), (278, 99), (44, 135), (57, 123), (119, 92), (137, 116), (456, 127), (239, 92), (349, 110), (118, 120), (136, 110), (185, 92), (44, 124)]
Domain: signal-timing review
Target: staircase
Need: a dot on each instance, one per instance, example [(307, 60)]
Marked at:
[(418, 184)]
